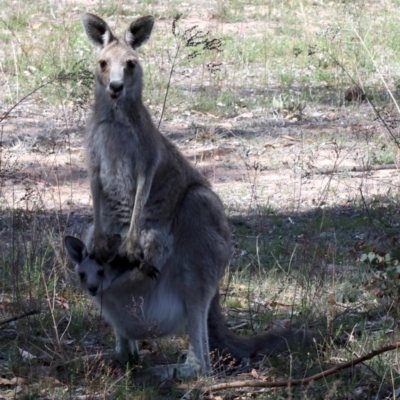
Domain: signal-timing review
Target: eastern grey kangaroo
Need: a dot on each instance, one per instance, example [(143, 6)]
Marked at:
[(139, 180), (139, 308), (169, 218), (146, 191)]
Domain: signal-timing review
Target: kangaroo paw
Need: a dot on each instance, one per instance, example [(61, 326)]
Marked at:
[(149, 270), (134, 251)]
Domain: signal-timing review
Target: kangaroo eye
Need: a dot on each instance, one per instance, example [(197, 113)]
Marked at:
[(100, 273), (82, 276), (103, 64), (130, 64)]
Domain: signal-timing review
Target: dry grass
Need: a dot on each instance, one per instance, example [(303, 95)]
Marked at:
[(310, 182)]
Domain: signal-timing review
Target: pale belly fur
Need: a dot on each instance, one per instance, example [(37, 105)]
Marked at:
[(143, 309)]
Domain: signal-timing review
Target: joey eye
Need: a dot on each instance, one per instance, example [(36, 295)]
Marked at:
[(130, 64), (103, 64), (100, 273), (82, 276)]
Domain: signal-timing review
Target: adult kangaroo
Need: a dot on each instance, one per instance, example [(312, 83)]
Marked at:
[(138, 178), (170, 220), (146, 191)]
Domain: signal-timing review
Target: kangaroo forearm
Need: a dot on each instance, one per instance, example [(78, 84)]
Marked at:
[(133, 232), (157, 245), (96, 190), (142, 194)]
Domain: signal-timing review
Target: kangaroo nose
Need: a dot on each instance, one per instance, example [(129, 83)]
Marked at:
[(115, 88), (92, 290)]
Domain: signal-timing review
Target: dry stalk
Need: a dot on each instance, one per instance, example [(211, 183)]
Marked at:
[(301, 382)]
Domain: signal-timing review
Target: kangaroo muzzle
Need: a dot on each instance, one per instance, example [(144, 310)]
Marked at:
[(115, 89), (92, 290)]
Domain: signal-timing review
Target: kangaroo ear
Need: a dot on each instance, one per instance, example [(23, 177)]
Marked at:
[(139, 31), (76, 249), (97, 30)]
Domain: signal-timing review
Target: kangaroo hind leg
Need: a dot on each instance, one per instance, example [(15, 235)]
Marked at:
[(198, 358)]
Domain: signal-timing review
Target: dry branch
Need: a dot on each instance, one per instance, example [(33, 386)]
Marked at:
[(300, 382), (365, 168), (6, 321)]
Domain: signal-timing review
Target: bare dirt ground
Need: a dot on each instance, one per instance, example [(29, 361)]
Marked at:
[(285, 155), (253, 160)]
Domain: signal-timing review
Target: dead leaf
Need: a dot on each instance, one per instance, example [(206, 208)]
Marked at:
[(51, 382), (17, 390), (277, 304), (17, 380), (245, 115), (268, 378), (211, 115), (244, 375), (270, 145), (254, 374), (62, 302), (188, 386), (204, 113), (26, 355), (6, 382), (287, 137), (226, 125), (332, 116), (10, 393)]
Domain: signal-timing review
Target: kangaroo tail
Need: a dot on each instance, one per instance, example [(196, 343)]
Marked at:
[(224, 341)]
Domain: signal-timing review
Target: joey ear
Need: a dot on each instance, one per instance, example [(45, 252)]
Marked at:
[(97, 30), (139, 31), (76, 249)]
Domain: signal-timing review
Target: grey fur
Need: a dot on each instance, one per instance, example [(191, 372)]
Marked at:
[(138, 178), (138, 308), (146, 191)]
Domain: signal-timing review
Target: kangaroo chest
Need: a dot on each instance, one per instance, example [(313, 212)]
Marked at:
[(117, 179), (113, 150)]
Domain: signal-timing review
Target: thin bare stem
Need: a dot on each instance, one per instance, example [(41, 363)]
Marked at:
[(377, 69), (169, 82)]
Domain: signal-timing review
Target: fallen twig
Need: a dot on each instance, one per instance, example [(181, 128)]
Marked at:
[(365, 168), (104, 356), (300, 382), (26, 314)]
